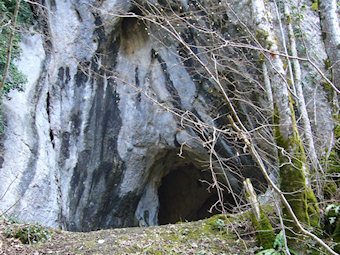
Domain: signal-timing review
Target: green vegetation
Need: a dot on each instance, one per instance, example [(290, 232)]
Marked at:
[(334, 157), (278, 247), (331, 190), (15, 79), (263, 230), (292, 176), (315, 5), (336, 236), (9, 220), (26, 233), (220, 234), (332, 218)]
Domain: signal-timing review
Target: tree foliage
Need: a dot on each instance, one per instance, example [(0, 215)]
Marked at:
[(15, 79)]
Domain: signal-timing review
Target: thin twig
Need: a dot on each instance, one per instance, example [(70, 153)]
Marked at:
[(263, 169)]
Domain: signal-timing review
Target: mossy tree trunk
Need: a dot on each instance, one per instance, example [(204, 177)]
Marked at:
[(296, 78), (294, 176), (293, 181)]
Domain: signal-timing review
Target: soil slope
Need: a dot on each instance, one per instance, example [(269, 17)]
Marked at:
[(217, 235)]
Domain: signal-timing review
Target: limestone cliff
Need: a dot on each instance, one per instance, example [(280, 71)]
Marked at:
[(92, 142)]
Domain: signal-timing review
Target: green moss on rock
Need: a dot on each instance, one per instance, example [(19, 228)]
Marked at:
[(262, 36), (264, 232)]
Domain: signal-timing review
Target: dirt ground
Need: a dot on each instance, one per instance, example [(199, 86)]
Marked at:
[(217, 235)]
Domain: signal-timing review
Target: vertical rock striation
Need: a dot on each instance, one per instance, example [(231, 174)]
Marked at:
[(85, 148), (93, 140)]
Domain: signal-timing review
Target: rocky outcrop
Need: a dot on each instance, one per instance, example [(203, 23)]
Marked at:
[(85, 147), (93, 141)]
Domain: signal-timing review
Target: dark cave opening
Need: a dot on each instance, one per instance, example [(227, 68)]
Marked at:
[(133, 33), (184, 195), (180, 189)]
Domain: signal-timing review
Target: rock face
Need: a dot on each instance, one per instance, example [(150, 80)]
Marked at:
[(84, 147), (92, 142)]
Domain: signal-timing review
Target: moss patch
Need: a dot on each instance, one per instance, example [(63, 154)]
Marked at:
[(334, 157), (336, 236), (292, 175), (264, 232)]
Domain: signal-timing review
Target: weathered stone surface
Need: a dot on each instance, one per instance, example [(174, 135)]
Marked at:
[(85, 146)]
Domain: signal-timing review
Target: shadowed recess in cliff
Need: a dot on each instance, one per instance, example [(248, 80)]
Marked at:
[(133, 34), (181, 189), (184, 195)]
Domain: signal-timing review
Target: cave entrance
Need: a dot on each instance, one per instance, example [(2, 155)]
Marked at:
[(179, 189), (184, 196)]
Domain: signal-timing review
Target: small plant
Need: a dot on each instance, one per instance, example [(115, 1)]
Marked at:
[(278, 247), (332, 218), (315, 5), (219, 224), (332, 213), (28, 233), (9, 219)]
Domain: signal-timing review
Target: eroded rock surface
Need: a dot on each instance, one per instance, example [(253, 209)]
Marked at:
[(91, 139), (84, 146)]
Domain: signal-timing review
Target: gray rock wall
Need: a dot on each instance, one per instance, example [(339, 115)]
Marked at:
[(82, 141), (86, 147)]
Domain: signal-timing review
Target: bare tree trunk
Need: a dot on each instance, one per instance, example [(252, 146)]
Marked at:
[(292, 159), (267, 85), (331, 36), (300, 97), (264, 230)]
